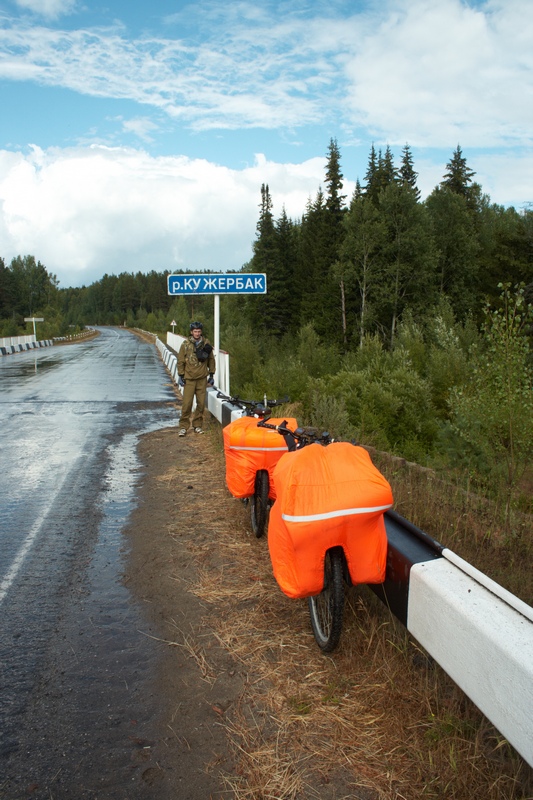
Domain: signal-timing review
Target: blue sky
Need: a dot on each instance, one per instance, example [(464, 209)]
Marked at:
[(138, 137)]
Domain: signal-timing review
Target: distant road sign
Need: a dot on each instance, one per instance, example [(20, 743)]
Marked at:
[(33, 319), (243, 283)]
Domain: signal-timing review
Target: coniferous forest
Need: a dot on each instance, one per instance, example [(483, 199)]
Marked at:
[(402, 323)]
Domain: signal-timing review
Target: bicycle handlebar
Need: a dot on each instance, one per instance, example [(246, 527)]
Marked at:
[(261, 407), (303, 436)]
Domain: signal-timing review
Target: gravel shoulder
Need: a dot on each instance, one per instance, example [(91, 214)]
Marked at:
[(251, 702), (167, 532)]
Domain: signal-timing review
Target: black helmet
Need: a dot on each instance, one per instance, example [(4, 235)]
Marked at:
[(194, 325)]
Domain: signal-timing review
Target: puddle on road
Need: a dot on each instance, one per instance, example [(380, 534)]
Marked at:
[(114, 659), (109, 603)]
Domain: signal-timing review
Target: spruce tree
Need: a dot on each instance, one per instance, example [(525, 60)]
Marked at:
[(333, 289), (334, 199), (322, 233), (406, 173), (380, 173), (264, 260), (458, 179), (386, 172), (290, 289), (275, 254), (504, 249), (314, 266), (265, 224), (371, 184)]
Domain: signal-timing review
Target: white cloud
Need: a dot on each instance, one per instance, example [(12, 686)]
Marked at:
[(430, 72), (507, 179), (142, 127), (206, 86), (86, 211), (48, 8), (441, 72)]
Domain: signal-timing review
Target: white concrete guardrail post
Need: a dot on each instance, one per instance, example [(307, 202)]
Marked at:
[(478, 632)]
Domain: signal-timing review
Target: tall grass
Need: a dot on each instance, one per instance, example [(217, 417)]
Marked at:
[(474, 527)]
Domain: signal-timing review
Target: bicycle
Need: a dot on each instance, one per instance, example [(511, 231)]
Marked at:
[(259, 496), (326, 608)]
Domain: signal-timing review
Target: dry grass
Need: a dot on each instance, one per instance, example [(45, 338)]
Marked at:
[(377, 720), (474, 527)]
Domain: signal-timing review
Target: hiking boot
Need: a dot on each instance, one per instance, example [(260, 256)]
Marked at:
[(182, 432), (198, 430)]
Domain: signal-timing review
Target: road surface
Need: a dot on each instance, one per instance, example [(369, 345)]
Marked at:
[(78, 704)]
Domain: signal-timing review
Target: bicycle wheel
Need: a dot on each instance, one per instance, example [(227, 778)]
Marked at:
[(327, 607), (259, 502)]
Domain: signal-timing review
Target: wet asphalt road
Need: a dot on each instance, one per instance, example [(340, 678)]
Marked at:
[(75, 675)]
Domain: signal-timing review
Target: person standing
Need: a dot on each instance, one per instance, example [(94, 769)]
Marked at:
[(196, 368)]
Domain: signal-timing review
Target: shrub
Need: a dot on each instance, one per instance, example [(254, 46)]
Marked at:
[(492, 415)]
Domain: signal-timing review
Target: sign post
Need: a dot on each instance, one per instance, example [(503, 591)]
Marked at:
[(216, 314), (217, 284), (34, 320)]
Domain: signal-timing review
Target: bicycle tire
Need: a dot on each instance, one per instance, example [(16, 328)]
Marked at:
[(326, 609), (259, 504)]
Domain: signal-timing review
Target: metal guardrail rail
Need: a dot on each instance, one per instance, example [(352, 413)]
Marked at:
[(478, 632)]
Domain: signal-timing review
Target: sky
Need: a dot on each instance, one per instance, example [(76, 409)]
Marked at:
[(136, 136)]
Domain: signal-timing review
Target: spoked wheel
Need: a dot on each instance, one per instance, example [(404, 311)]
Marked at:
[(259, 503), (326, 608)]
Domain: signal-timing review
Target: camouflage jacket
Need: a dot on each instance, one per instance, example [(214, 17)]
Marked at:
[(189, 365)]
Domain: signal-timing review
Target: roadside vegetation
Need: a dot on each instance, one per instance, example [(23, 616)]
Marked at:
[(404, 325)]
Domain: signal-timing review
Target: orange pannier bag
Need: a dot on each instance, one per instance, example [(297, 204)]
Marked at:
[(248, 449), (327, 496)]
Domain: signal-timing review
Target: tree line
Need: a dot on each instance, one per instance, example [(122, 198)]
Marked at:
[(26, 288), (355, 267), (352, 267)]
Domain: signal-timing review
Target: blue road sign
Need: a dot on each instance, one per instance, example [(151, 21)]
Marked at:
[(227, 283)]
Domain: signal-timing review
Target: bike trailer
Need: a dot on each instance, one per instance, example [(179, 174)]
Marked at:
[(248, 449), (326, 497)]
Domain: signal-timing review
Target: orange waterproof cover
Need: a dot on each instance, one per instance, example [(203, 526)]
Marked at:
[(327, 496), (249, 448)]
